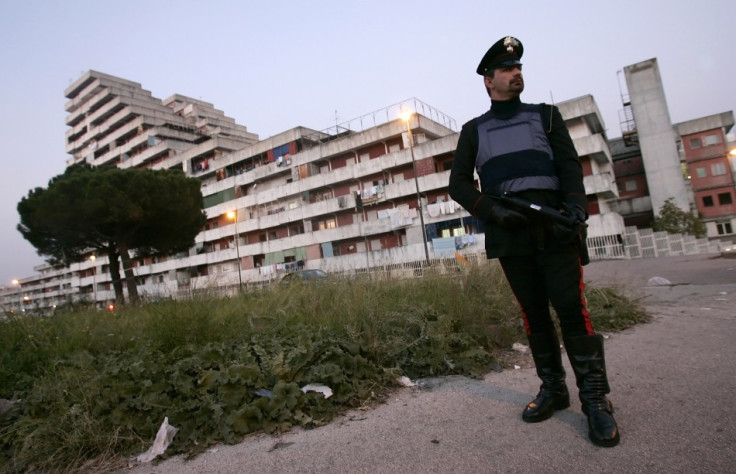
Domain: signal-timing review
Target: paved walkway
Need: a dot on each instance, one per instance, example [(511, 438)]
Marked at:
[(673, 384)]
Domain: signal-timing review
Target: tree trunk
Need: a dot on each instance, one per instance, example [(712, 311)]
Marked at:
[(117, 284), (129, 275)]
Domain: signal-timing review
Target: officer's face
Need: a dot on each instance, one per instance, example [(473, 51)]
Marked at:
[(506, 83)]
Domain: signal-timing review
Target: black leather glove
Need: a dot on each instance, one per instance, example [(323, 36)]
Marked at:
[(568, 233), (507, 218), (577, 212)]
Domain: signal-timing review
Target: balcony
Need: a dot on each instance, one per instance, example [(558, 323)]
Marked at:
[(602, 184), (595, 147)]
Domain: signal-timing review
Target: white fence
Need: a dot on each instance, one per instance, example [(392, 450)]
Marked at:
[(645, 243), (408, 262), (404, 262)]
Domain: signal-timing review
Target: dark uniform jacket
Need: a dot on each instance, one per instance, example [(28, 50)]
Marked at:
[(567, 169)]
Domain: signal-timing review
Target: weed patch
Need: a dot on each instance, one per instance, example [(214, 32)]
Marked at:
[(93, 387)]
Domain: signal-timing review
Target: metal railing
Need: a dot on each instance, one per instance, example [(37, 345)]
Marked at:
[(379, 117)]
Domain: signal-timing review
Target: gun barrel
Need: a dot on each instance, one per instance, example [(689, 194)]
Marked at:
[(554, 214)]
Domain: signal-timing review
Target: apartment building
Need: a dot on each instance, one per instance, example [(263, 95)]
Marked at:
[(655, 160), (369, 192), (705, 149)]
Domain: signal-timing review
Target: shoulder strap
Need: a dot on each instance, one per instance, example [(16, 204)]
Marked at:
[(546, 121)]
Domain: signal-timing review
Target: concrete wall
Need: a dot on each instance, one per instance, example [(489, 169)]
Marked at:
[(657, 136)]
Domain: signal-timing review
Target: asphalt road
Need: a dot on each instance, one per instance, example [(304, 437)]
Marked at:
[(673, 384)]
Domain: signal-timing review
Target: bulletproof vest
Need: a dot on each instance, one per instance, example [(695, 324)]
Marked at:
[(514, 153)]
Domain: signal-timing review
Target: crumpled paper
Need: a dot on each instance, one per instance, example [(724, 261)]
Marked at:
[(163, 439), (405, 381), (658, 281), (519, 347), (318, 387)]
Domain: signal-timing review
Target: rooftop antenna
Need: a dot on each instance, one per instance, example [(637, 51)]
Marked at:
[(552, 99), (337, 127)]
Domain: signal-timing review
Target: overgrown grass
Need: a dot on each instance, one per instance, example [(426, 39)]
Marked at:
[(92, 388)]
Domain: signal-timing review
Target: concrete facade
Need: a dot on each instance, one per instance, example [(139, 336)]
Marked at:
[(656, 135), (113, 121)]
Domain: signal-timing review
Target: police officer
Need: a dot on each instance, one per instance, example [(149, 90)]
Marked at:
[(526, 150)]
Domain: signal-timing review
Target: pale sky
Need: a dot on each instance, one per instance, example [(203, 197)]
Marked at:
[(279, 64)]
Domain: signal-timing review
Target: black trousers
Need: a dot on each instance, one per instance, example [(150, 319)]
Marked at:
[(546, 277)]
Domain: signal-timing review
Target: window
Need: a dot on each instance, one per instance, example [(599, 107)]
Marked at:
[(296, 229), (724, 228), (724, 198), (328, 224), (710, 140), (700, 172), (708, 201), (718, 169), (630, 185), (695, 143)]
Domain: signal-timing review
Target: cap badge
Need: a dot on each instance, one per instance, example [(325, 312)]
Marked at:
[(510, 42)]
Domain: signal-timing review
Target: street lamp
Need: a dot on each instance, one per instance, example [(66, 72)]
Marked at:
[(92, 258), (233, 215), (405, 115), (16, 282)]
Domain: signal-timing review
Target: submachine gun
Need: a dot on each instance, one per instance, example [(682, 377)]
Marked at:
[(568, 220)]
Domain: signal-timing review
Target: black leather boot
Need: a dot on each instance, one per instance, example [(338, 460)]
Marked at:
[(553, 394), (589, 364)]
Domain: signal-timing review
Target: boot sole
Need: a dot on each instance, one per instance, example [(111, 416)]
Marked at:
[(547, 416), (605, 443)]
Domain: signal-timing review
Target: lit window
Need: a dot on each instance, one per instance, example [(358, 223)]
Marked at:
[(710, 140), (708, 201), (701, 172), (695, 143), (718, 169), (630, 185), (724, 198)]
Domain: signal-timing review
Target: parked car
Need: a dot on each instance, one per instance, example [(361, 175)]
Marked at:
[(304, 276), (729, 251)]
